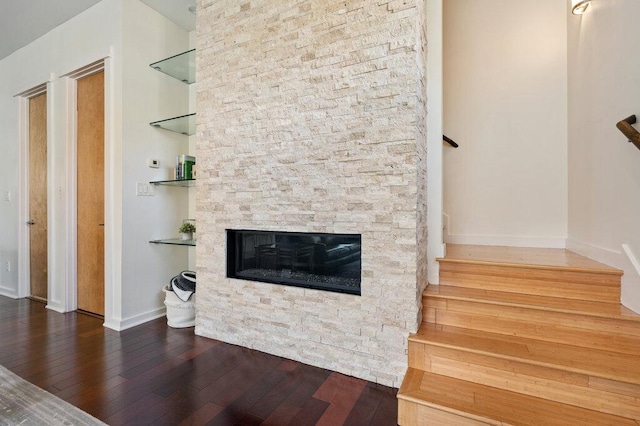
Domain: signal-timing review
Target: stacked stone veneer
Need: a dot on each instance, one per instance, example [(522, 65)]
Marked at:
[(311, 119)]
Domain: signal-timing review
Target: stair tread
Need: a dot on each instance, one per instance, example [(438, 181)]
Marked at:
[(543, 258), (555, 304), (593, 362), (484, 402)]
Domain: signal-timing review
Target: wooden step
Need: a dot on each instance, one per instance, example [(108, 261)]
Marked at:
[(587, 324), (590, 362), (427, 398), (571, 375), (544, 272), (523, 337), (551, 304), (543, 257)]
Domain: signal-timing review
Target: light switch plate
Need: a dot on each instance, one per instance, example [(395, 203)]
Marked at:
[(144, 189)]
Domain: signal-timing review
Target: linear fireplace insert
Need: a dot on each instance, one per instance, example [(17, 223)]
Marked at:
[(329, 262)]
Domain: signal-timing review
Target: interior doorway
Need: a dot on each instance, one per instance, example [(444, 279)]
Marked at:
[(90, 193), (38, 242)]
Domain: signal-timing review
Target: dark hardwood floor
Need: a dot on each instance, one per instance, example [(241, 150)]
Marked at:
[(153, 374)]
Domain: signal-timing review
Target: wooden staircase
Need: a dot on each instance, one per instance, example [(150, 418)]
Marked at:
[(515, 336)]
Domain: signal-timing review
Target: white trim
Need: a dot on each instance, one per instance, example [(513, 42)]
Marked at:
[(34, 91), (630, 290), (24, 277), (435, 246), (87, 70), (8, 292), (601, 254), (71, 299), (124, 324), (508, 241), (56, 308), (54, 302), (112, 202), (24, 247), (71, 285), (632, 258)]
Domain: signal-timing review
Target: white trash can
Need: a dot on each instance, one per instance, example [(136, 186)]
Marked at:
[(179, 314)]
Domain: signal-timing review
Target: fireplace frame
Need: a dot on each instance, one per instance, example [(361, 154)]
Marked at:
[(294, 255)]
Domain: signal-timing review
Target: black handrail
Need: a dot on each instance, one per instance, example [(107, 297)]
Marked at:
[(632, 134), (450, 141)]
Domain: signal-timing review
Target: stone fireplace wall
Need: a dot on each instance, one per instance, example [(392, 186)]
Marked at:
[(311, 117)]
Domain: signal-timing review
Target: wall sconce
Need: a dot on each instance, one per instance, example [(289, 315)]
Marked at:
[(578, 7)]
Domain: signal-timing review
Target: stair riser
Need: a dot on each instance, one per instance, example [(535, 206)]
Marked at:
[(523, 280), (542, 382), (620, 343), (615, 379), (411, 414), (518, 315)]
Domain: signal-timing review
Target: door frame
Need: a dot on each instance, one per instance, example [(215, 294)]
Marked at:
[(24, 245), (112, 197)]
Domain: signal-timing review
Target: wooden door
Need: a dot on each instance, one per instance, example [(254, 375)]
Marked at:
[(90, 195), (38, 196)]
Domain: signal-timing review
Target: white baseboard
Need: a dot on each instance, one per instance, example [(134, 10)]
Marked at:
[(507, 241), (9, 292), (54, 307), (119, 325), (600, 254), (632, 257)]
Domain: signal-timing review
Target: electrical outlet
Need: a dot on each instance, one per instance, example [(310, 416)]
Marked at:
[(8, 266)]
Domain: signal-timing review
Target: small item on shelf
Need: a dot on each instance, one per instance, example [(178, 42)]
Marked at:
[(187, 229), (184, 166)]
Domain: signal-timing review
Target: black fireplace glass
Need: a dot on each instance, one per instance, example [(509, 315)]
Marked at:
[(329, 262)]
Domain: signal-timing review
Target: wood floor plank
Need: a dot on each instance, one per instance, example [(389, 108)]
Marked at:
[(271, 402), (310, 412), (283, 415)]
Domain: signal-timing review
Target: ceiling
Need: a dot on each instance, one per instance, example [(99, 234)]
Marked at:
[(24, 21)]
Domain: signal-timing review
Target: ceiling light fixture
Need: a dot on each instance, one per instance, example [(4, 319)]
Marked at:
[(578, 7)]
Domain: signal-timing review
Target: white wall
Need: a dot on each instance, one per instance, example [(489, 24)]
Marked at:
[(435, 246), (192, 151), (604, 170), (505, 90), (149, 95), (132, 36)]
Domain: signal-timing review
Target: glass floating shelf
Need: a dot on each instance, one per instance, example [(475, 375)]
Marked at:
[(181, 67), (175, 242), (174, 182), (185, 124)]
